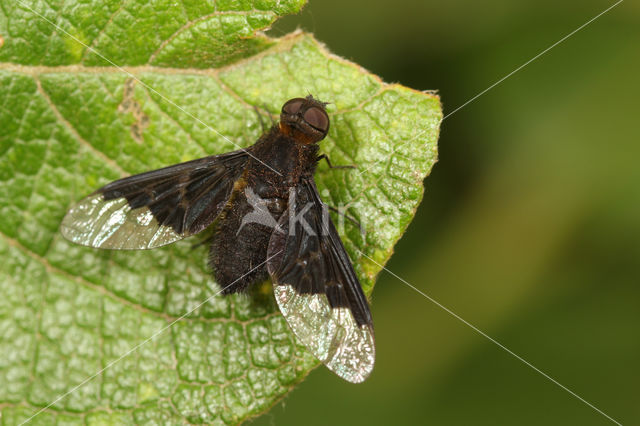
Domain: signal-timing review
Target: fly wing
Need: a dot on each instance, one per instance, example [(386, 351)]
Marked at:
[(317, 289), (155, 208)]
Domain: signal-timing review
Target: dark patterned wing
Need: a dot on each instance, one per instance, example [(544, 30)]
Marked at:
[(155, 208), (317, 289)]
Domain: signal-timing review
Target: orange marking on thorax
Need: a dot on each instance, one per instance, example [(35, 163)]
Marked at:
[(293, 133)]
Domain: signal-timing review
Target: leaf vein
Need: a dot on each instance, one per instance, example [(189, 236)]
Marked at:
[(91, 47), (75, 133), (191, 23), (173, 120)]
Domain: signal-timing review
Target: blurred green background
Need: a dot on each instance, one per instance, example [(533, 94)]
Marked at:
[(530, 224)]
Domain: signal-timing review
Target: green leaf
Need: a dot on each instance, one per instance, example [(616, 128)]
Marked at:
[(72, 122)]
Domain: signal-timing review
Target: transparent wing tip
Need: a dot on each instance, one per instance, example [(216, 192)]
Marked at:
[(331, 334)]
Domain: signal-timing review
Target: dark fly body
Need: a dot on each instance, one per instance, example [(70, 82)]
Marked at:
[(269, 222)]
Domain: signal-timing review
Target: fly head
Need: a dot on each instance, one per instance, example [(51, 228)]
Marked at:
[(305, 119)]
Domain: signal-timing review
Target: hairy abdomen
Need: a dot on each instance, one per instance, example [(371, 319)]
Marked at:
[(239, 250)]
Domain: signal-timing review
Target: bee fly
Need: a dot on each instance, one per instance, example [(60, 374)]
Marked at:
[(270, 222)]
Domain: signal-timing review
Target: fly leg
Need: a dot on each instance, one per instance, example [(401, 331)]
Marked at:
[(331, 166), (257, 110), (349, 218)]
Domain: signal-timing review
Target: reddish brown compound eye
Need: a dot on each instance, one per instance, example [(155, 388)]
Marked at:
[(293, 106), (317, 118)]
